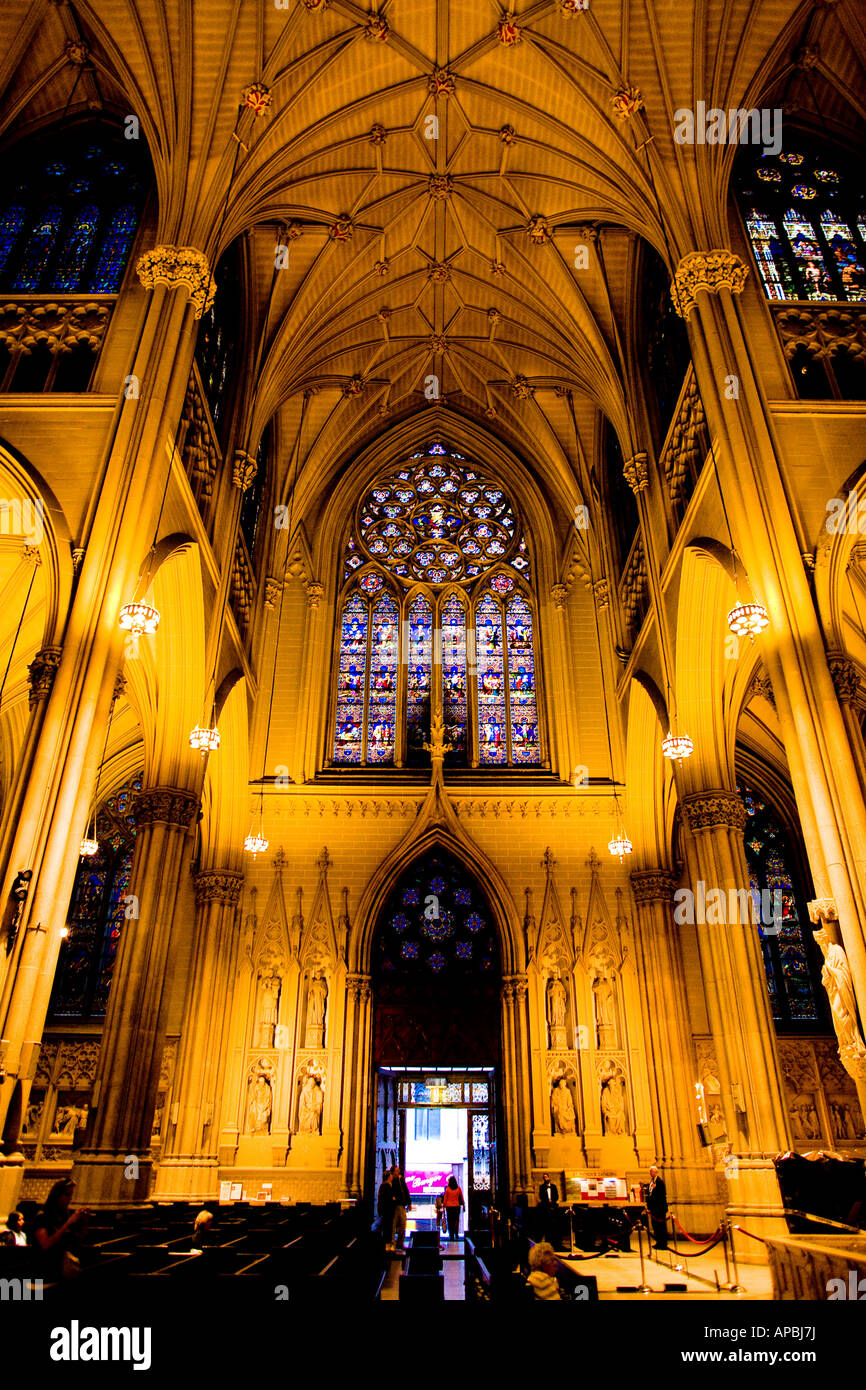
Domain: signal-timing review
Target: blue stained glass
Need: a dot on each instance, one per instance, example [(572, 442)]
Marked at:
[(76, 248), (40, 244), (848, 258), (418, 679), (810, 257), (437, 961), (351, 682), (492, 736), (474, 922), (463, 897), (437, 885), (463, 950), (454, 692), (409, 950), (410, 897), (116, 242), (10, 229), (521, 681), (382, 710)]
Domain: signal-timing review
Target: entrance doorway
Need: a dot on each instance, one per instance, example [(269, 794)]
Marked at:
[(436, 1125), (436, 978)]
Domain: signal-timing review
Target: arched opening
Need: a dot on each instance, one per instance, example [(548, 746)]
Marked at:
[(436, 973)]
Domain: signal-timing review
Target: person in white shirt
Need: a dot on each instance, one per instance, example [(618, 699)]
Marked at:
[(543, 1264), (14, 1233)]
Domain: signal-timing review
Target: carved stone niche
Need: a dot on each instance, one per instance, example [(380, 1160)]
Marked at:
[(562, 1082), (260, 1095), (613, 1097)]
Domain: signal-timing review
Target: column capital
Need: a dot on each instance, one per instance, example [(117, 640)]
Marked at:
[(653, 885), (218, 886), (244, 469), (712, 271), (41, 673), (165, 806), (315, 593), (179, 268), (822, 910), (514, 986), (559, 595), (845, 677), (359, 987), (636, 473), (709, 810)]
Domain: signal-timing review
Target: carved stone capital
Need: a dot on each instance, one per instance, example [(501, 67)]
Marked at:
[(244, 469), (315, 592), (626, 103), (653, 886), (822, 910), (179, 268), (359, 988), (712, 271), (712, 810), (559, 595), (41, 673), (165, 806), (636, 473), (273, 590), (218, 886), (601, 593), (762, 685), (846, 678)]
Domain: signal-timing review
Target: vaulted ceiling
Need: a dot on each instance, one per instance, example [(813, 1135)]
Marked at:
[(436, 165)]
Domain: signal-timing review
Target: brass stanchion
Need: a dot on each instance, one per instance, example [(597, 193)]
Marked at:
[(643, 1286), (736, 1287)]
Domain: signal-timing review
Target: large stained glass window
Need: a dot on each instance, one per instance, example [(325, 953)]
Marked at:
[(438, 571), (790, 956), (455, 701), (351, 682), (69, 213), (418, 678), (97, 913), (382, 707), (804, 214), (490, 656)]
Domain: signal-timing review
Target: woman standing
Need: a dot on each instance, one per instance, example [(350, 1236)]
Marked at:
[(452, 1201)]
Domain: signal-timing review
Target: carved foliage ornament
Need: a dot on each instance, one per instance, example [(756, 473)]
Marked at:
[(635, 473), (652, 886), (441, 83), (721, 808), (179, 268), (244, 469), (257, 98), (712, 271), (212, 886), (626, 103), (41, 673), (165, 806)]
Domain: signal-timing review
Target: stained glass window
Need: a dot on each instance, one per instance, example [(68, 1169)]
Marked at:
[(382, 708), (790, 957), (454, 682), (490, 657), (351, 682), (418, 678), (97, 913), (805, 224), (438, 519), (448, 929), (521, 677), (71, 212)]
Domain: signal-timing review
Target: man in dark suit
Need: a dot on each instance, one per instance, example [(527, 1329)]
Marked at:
[(657, 1206), (548, 1202)]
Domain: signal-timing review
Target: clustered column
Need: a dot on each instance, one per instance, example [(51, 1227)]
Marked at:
[(115, 1164), (189, 1166)]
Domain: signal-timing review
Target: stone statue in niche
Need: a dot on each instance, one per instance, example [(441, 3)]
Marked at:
[(311, 1104), (557, 1008), (261, 1102), (836, 979), (268, 1010), (613, 1111), (318, 994), (564, 1119), (604, 997)]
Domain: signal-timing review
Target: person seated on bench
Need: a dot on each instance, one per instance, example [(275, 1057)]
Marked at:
[(14, 1233), (543, 1265)]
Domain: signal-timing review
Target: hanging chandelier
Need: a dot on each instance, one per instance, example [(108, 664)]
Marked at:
[(748, 619), (620, 845), (255, 843), (89, 846), (139, 618), (205, 740), (677, 746)]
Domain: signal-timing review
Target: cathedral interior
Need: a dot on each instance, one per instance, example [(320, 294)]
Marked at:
[(433, 625)]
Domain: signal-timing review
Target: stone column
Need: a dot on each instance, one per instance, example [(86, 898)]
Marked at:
[(848, 687), (516, 1100), (115, 1165), (670, 1053), (358, 1111), (190, 1164), (739, 1011), (823, 767)]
